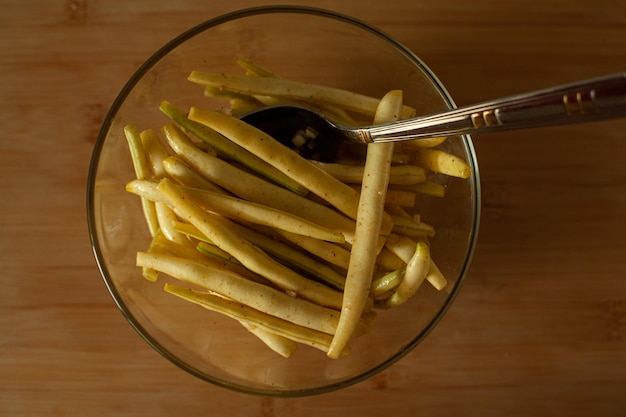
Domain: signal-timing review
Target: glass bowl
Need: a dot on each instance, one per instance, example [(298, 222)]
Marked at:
[(305, 44)]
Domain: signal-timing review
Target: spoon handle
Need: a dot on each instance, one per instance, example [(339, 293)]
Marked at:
[(584, 101)]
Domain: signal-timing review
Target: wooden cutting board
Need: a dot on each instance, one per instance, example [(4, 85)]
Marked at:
[(540, 326)]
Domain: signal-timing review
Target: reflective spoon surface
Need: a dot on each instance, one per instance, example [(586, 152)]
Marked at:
[(584, 101)]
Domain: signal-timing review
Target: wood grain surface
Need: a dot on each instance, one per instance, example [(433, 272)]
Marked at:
[(539, 328)]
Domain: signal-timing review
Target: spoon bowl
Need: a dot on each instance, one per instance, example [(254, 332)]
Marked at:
[(284, 122)]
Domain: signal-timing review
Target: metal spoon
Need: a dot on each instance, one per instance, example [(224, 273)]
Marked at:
[(584, 101)]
